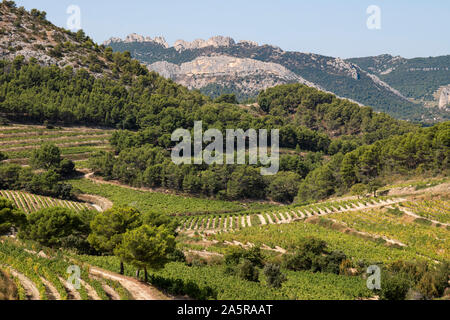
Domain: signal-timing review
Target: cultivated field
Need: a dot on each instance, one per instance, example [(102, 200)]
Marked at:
[(76, 143), (28, 202)]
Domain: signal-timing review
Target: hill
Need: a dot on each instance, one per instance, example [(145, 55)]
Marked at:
[(421, 79), (189, 63)]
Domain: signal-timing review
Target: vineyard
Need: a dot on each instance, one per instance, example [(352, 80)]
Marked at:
[(28, 202), (44, 276), (438, 210), (299, 285), (230, 222), (426, 240), (76, 143), (147, 201)]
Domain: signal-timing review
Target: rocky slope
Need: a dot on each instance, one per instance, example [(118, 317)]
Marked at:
[(419, 79), (344, 78), (31, 35), (248, 76)]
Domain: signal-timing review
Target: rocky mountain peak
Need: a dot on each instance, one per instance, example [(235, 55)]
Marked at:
[(137, 38), (216, 42)]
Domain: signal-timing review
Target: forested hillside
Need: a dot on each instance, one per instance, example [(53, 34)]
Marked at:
[(427, 150), (147, 108), (417, 78)]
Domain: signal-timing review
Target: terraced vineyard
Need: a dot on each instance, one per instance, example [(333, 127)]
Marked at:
[(28, 202), (427, 240), (147, 201), (76, 143), (44, 276), (215, 223), (438, 210), (299, 285)]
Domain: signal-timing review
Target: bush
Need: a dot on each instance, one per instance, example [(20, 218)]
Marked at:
[(177, 256), (10, 217), (55, 227), (274, 276), (247, 271), (394, 287), (298, 261), (433, 283), (234, 255)]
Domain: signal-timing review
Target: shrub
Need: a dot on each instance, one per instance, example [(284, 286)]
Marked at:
[(247, 271), (235, 254), (394, 287), (274, 276), (10, 216), (433, 283), (55, 227)]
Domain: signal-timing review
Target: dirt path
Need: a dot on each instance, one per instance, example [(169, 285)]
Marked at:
[(31, 291), (99, 203), (139, 290)]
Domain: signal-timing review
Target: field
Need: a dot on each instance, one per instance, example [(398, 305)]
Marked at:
[(414, 239), (438, 210), (288, 214), (157, 202), (212, 279), (374, 230), (28, 202), (76, 143), (43, 276)]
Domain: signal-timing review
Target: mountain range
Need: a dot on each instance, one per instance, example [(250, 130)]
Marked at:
[(411, 89)]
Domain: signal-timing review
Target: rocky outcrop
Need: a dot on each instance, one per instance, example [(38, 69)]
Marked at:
[(134, 37), (215, 42), (24, 34), (248, 75), (344, 67), (444, 98)]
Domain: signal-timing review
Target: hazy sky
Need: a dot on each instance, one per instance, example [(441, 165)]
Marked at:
[(410, 28)]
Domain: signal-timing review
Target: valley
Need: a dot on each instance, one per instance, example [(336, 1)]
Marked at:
[(93, 205)]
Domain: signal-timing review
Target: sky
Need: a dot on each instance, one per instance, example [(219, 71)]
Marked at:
[(410, 28)]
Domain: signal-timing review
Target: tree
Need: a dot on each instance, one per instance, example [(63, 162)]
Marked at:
[(374, 186), (66, 167), (108, 228), (227, 98), (246, 182), (359, 190), (147, 247), (283, 187), (51, 226), (273, 275), (10, 217), (46, 157)]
